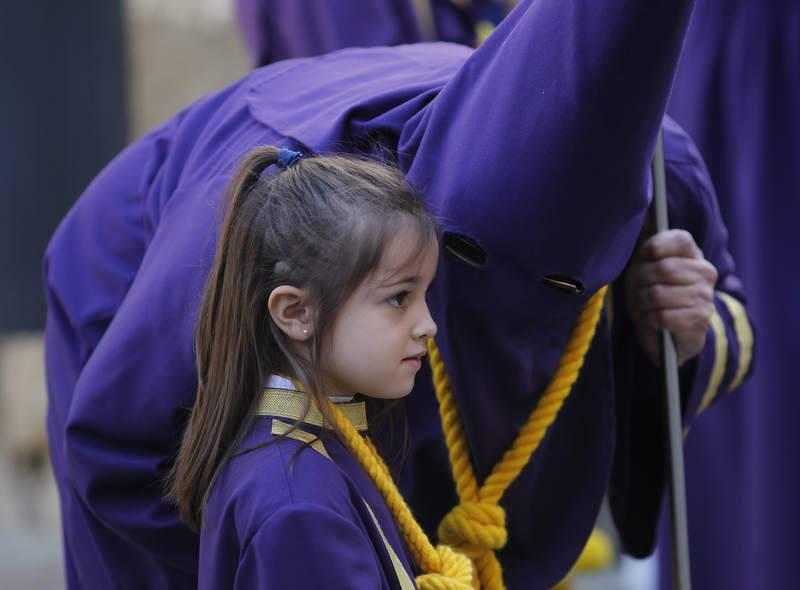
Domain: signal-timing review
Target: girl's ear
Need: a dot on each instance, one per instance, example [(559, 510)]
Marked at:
[(290, 308)]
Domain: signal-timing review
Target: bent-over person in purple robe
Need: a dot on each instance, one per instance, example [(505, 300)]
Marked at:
[(539, 165)]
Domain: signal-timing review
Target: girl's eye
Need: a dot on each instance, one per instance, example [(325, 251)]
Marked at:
[(398, 300)]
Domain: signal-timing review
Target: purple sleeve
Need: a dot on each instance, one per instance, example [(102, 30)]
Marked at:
[(726, 360), (639, 469), (306, 546)]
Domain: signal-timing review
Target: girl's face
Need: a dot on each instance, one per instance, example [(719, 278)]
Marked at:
[(378, 339)]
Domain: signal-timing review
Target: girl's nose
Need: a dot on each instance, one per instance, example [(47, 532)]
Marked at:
[(426, 327)]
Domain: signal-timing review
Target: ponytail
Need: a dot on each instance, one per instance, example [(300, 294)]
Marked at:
[(227, 335)]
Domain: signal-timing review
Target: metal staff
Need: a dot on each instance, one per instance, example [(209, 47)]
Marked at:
[(669, 363)]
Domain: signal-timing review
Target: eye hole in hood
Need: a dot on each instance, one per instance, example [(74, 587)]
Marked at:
[(563, 283), (465, 249)]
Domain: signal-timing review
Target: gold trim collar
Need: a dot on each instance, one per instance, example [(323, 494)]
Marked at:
[(290, 405)]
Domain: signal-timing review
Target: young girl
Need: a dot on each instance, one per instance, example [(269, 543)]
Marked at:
[(316, 298)]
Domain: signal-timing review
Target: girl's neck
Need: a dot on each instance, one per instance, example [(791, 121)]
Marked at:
[(280, 382)]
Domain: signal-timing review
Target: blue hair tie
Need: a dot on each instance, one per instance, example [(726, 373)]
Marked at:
[(286, 158)]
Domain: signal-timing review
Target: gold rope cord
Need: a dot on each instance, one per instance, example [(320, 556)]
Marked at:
[(476, 526)]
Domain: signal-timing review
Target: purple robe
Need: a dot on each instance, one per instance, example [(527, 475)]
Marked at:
[(298, 512), (548, 176), (738, 94), (282, 29)]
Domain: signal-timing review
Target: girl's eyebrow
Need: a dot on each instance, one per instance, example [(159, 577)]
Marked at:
[(413, 279)]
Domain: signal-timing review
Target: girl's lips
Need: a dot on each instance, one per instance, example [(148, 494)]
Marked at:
[(413, 361)]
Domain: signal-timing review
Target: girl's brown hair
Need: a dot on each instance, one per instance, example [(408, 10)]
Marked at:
[(321, 225)]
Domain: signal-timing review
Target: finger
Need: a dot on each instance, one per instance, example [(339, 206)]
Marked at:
[(673, 271), (664, 296), (673, 242)]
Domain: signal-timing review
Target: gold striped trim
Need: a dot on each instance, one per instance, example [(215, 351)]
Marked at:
[(399, 570), (282, 403), (283, 429), (744, 336), (720, 361)]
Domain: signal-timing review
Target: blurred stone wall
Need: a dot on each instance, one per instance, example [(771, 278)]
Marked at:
[(177, 51)]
